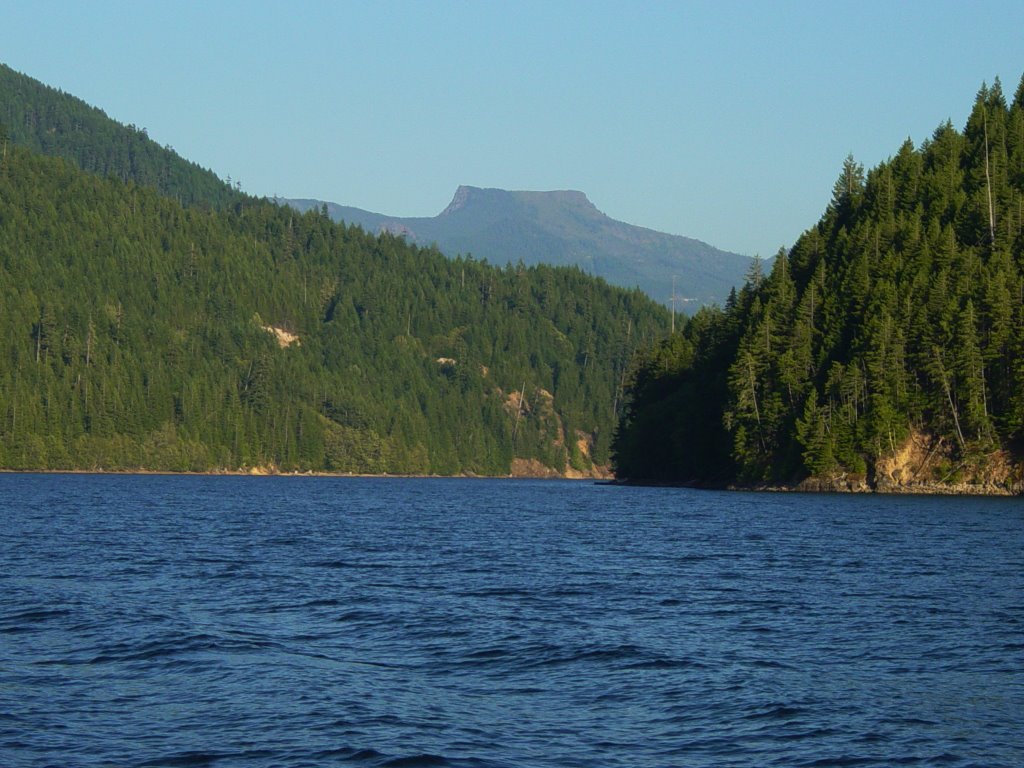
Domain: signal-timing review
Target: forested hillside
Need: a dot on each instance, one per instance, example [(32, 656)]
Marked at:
[(51, 122), (885, 349), (138, 332)]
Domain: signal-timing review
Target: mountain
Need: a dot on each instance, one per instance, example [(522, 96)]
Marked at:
[(884, 351), (149, 323), (563, 228)]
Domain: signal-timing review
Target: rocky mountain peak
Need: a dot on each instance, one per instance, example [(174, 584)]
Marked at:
[(467, 195), (460, 199)]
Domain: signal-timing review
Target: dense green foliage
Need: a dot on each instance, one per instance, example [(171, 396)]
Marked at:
[(141, 304), (134, 334), (50, 122), (901, 310)]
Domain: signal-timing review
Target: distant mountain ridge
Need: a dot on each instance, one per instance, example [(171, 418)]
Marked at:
[(562, 228)]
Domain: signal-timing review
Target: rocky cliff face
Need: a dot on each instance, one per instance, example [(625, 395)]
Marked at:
[(926, 464)]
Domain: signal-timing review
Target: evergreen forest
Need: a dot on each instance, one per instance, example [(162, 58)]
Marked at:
[(50, 122), (154, 317), (896, 321)]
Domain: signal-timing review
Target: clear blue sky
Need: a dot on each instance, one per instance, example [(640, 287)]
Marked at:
[(724, 121)]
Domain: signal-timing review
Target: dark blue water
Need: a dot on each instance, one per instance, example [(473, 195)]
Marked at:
[(193, 621)]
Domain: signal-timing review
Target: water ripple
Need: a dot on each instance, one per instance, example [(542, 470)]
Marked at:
[(258, 622)]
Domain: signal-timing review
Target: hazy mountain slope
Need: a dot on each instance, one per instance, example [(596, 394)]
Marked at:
[(563, 228)]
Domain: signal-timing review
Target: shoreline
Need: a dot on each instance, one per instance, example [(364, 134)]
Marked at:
[(297, 474), (809, 486), (524, 469), (818, 486)]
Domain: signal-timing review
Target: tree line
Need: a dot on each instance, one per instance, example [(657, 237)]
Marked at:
[(900, 312)]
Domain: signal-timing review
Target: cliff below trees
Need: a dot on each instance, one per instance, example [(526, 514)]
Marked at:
[(930, 464)]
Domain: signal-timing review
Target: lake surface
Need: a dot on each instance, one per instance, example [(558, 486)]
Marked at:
[(231, 621)]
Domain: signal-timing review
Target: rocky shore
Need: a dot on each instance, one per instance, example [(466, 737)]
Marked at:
[(925, 464)]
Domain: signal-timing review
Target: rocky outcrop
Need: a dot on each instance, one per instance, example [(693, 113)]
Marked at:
[(929, 464), (841, 483)]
